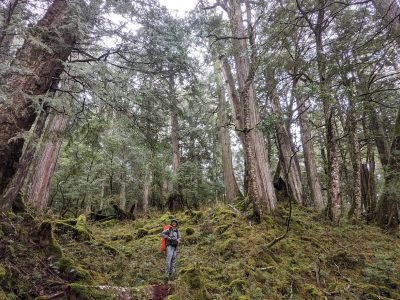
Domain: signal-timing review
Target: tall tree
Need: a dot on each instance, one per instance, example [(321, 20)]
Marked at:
[(41, 59), (388, 215), (260, 188)]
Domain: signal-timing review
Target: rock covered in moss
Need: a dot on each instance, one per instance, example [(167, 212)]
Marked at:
[(69, 270)]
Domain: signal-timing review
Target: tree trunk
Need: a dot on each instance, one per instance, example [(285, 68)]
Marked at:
[(355, 156), (334, 193), (88, 203), (380, 137), (14, 189), (232, 191), (45, 162), (122, 192), (388, 206), (291, 170), (146, 188), (174, 128), (237, 109), (17, 114), (260, 180), (309, 155)]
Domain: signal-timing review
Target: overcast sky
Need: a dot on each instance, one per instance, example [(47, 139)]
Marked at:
[(179, 6)]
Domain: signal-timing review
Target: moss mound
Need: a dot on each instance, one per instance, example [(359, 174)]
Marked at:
[(223, 255)]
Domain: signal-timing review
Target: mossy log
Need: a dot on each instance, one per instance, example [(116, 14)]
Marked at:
[(79, 231), (116, 213)]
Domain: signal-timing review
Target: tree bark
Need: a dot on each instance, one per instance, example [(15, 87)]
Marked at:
[(174, 128), (14, 189), (122, 192), (232, 191), (41, 66), (355, 156), (388, 206), (309, 154), (260, 180), (45, 162), (334, 191), (291, 169), (146, 188)]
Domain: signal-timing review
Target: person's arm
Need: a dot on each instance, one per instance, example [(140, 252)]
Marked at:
[(178, 236), (165, 234)]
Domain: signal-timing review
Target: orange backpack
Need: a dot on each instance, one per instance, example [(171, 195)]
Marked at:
[(163, 245)]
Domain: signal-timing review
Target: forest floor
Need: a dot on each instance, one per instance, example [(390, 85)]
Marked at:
[(222, 256)]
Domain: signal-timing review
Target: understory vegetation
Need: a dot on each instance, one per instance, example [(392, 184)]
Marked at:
[(223, 255)]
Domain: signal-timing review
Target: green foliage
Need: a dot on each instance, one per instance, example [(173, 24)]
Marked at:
[(69, 270)]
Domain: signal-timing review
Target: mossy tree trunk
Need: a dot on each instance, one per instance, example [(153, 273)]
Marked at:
[(56, 31), (389, 204)]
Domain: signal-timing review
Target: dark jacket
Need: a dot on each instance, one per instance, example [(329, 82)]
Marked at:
[(172, 236)]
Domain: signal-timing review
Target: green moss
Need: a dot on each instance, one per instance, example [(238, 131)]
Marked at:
[(3, 296), (3, 273), (48, 241), (107, 224), (69, 270), (192, 239), (88, 292), (193, 276), (107, 247), (312, 292), (238, 285), (142, 233), (221, 229), (125, 237), (154, 231)]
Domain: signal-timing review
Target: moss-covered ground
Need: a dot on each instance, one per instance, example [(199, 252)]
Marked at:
[(223, 255)]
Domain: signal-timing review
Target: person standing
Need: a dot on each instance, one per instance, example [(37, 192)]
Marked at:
[(172, 238)]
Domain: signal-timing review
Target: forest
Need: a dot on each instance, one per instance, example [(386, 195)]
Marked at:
[(269, 129)]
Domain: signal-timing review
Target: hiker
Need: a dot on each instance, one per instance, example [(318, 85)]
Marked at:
[(172, 239)]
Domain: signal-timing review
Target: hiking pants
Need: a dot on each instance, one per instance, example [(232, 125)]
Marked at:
[(171, 258)]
